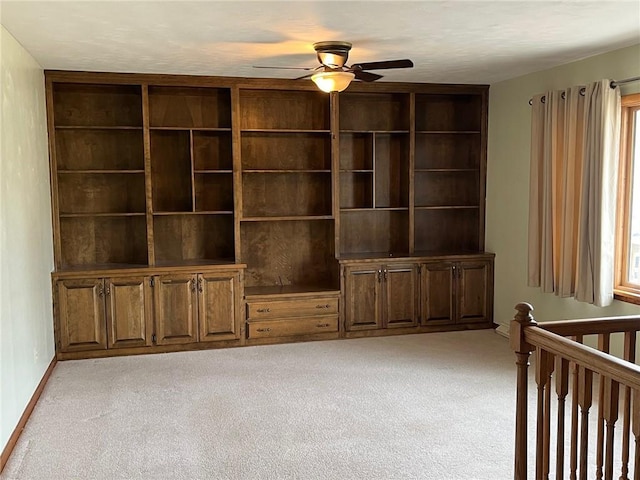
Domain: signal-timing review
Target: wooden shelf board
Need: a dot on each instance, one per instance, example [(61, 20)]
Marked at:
[(431, 170), (348, 132), (356, 171), (256, 293), (375, 209), (199, 212), (447, 132), (97, 127), (101, 214), (99, 172), (296, 170), (193, 129), (448, 207), (282, 130), (379, 257), (100, 266), (274, 291), (286, 218), (212, 171), (106, 269)]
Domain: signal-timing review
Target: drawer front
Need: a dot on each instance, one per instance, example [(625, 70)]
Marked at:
[(292, 308), (293, 326)]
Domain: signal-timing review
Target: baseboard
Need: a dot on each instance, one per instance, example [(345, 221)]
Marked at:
[(13, 439), (503, 330)]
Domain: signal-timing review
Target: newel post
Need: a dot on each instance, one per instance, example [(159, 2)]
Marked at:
[(523, 350)]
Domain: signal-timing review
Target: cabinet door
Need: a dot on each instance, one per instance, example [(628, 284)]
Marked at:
[(218, 307), (473, 294), (81, 315), (129, 318), (437, 293), (400, 300), (176, 309), (363, 289)]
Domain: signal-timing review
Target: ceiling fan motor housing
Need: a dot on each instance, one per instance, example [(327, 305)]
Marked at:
[(332, 54)]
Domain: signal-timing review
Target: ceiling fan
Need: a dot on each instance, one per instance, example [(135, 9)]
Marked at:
[(334, 75)]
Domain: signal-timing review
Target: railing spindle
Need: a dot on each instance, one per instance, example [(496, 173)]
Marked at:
[(635, 428), (611, 390), (585, 399), (544, 368), (604, 342), (573, 473), (629, 355), (562, 389)]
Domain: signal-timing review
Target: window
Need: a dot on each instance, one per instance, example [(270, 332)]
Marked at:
[(628, 221)]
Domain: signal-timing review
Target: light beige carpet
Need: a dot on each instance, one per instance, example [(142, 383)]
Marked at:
[(432, 406)]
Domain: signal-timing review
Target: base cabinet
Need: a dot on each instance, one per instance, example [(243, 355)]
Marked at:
[(456, 292), (197, 307), (101, 313), (381, 296), (219, 307), (81, 315), (159, 309), (176, 298)]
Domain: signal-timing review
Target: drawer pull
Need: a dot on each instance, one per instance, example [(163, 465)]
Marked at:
[(262, 330), (264, 310), (322, 306), (323, 325)]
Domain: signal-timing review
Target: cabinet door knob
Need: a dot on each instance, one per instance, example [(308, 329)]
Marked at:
[(263, 330), (264, 310), (100, 291), (322, 306), (322, 325), (193, 284), (200, 285)]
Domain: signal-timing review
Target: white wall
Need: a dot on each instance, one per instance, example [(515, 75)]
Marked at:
[(508, 182), (26, 251)]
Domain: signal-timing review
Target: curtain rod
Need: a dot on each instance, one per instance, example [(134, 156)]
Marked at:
[(613, 84)]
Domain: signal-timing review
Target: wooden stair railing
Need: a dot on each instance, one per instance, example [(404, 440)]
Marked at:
[(572, 369)]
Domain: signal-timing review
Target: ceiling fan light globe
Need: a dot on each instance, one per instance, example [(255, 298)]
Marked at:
[(332, 81)]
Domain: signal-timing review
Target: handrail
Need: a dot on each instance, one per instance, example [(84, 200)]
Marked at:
[(598, 362), (593, 326), (618, 395)]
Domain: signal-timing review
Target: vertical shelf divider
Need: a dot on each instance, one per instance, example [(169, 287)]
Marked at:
[(412, 164), (334, 109), (193, 175), (53, 175), (236, 142), (374, 167), (148, 188)]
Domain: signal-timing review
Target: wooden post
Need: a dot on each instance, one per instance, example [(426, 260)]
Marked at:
[(523, 350)]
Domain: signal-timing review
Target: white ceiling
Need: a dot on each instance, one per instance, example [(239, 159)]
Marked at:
[(449, 41)]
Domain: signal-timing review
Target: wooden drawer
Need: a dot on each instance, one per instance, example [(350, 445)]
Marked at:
[(293, 326), (298, 307)]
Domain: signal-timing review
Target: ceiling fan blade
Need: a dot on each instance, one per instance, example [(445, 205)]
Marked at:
[(286, 68), (405, 63), (366, 76), (304, 76)]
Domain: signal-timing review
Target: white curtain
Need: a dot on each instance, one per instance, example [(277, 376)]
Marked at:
[(572, 196)]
